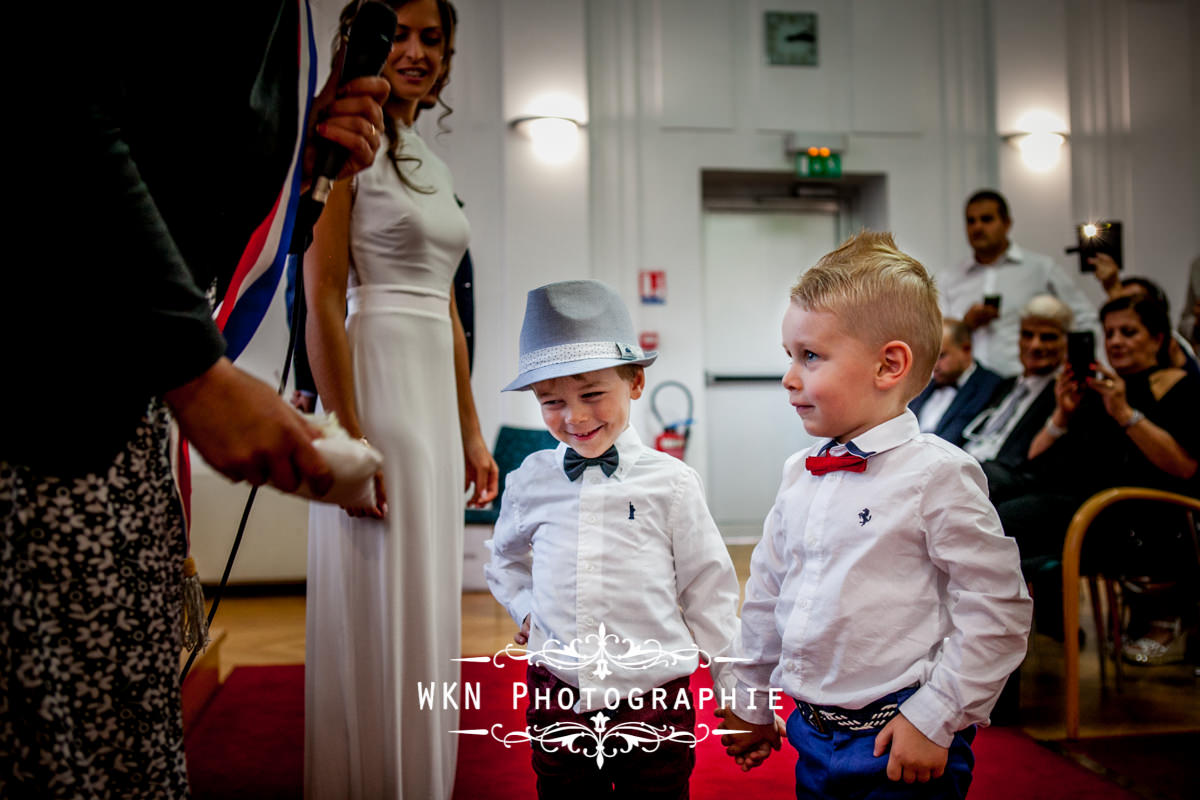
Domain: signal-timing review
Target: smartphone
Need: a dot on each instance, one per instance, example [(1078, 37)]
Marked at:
[(1097, 237), (992, 300), (1081, 354)]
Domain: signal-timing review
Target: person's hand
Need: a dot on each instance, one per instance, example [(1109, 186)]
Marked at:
[(521, 637), (750, 749), (377, 511), (481, 472), (350, 115), (911, 756), (1067, 396), (303, 402), (1111, 388), (979, 315), (247, 432), (1107, 273)]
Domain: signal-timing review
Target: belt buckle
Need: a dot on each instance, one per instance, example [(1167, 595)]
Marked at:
[(812, 716)]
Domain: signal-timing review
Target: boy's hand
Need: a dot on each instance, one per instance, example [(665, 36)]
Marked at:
[(913, 756), (522, 636), (749, 749)]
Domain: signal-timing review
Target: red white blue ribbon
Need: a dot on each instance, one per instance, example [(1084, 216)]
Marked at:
[(256, 279), (258, 272)]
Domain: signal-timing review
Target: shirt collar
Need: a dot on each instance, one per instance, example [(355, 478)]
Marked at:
[(886, 435), (629, 450), (966, 376), (1038, 382), (1013, 255)]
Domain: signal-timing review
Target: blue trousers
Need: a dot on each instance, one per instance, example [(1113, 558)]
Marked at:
[(842, 764)]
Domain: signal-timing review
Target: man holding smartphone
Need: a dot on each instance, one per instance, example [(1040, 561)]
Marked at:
[(988, 290)]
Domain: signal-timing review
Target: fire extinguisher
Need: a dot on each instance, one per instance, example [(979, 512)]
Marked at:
[(673, 439)]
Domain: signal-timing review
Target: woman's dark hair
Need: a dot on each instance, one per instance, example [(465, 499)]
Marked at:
[(1148, 288), (1153, 316), (443, 80), (449, 18)]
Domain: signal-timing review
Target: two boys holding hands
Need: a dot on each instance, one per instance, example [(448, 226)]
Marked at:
[(884, 598)]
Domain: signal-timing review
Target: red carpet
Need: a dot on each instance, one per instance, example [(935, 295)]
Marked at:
[(249, 743)]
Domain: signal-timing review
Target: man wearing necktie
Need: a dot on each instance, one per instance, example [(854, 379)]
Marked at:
[(1000, 436), (960, 388), (606, 546), (884, 597)]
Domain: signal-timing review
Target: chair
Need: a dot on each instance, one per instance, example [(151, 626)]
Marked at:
[(513, 444), (1072, 549)]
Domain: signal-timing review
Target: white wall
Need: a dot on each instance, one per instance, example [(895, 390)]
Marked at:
[(1134, 79)]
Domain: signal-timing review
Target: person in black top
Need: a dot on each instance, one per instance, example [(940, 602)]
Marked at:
[(1132, 425), (163, 134)]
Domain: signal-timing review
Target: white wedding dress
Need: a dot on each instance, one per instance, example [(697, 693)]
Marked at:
[(384, 597)]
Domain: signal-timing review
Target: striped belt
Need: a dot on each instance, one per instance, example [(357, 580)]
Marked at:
[(870, 717)]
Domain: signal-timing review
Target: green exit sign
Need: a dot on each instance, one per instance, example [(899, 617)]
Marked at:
[(818, 166)]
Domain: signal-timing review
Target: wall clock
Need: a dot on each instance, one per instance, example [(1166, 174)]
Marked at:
[(791, 38)]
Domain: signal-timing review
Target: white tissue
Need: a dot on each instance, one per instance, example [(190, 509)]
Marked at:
[(352, 461)]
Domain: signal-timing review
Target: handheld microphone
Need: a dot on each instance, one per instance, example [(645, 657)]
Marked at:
[(367, 48)]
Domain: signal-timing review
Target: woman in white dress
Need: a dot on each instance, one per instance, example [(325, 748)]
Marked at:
[(390, 359)]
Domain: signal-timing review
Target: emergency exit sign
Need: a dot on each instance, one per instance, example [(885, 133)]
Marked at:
[(819, 164)]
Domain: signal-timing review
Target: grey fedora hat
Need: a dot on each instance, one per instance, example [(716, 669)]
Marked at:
[(572, 327)]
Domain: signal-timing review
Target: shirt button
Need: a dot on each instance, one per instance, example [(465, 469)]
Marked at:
[(591, 518), (590, 567), (804, 603), (811, 542)]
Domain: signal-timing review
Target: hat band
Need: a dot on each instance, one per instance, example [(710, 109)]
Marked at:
[(579, 351)]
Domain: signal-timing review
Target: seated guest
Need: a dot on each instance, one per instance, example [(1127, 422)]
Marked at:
[(1182, 354), (961, 387), (1133, 425), (1000, 436), (1189, 320)]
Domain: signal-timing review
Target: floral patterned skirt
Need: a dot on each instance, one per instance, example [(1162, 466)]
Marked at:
[(89, 635)]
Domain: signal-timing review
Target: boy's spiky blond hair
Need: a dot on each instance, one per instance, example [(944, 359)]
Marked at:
[(880, 294)]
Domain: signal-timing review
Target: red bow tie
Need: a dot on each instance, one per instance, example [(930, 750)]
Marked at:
[(819, 465)]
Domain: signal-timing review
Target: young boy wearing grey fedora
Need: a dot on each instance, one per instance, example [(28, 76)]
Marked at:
[(607, 557)]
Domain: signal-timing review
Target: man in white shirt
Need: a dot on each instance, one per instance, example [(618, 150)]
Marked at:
[(960, 387), (988, 290), (1000, 436)]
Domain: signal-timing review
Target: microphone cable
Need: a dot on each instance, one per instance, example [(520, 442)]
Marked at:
[(298, 316)]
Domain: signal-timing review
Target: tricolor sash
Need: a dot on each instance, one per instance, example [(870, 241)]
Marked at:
[(256, 279), (262, 263)]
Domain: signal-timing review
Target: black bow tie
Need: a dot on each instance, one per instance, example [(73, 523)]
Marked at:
[(574, 464)]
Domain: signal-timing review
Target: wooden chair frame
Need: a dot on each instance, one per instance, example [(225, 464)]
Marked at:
[(1070, 574)]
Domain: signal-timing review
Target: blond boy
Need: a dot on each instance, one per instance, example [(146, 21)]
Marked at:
[(884, 598)]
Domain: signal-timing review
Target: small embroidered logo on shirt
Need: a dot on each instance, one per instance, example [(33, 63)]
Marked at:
[(864, 516), (631, 510)]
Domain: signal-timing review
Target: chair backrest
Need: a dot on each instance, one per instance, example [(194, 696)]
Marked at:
[(513, 444)]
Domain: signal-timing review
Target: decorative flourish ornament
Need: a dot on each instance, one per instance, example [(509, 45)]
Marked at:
[(601, 742), (602, 649)]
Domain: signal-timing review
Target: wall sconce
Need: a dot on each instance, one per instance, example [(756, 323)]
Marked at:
[(1040, 139), (555, 138)]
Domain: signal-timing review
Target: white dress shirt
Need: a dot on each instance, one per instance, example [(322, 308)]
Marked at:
[(983, 437), (940, 400), (1017, 276), (866, 583), (636, 552)]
